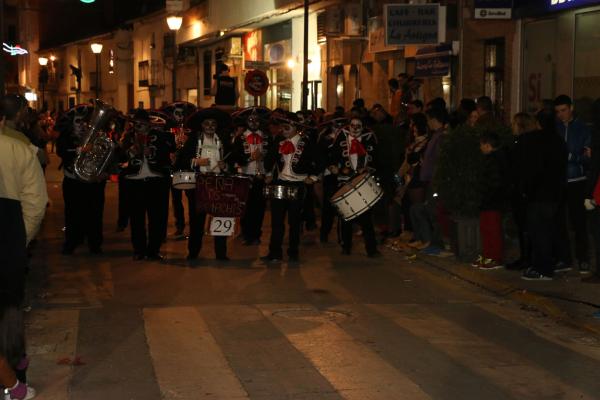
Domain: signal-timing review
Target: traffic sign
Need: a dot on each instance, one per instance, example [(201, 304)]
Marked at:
[(256, 83)]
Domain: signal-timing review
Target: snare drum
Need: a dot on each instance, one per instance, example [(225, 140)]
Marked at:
[(357, 196), (282, 192), (184, 180)]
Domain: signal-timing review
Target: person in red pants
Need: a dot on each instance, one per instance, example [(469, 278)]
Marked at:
[(493, 186)]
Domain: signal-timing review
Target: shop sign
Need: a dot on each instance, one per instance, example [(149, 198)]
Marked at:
[(256, 83), (433, 61), (493, 9), (251, 43), (174, 6), (377, 37), (414, 24), (263, 65), (564, 4)]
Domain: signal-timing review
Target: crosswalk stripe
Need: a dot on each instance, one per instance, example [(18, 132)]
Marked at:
[(51, 336), (352, 369), (508, 370), (187, 360)]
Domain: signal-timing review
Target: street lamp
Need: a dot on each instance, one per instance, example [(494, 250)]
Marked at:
[(43, 78), (97, 49), (174, 23)]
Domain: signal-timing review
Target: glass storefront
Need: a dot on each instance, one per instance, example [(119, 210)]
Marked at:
[(586, 81)]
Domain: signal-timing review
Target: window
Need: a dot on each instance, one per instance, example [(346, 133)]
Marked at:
[(144, 73), (494, 72), (207, 70)]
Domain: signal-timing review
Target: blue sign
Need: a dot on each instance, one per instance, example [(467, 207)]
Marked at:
[(564, 4), (433, 61)]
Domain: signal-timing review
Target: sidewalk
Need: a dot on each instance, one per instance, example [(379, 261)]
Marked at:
[(565, 298)]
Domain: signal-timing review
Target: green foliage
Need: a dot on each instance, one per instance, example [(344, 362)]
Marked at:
[(458, 168)]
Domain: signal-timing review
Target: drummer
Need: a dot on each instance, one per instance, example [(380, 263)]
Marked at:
[(352, 154), (248, 152), (204, 152), (290, 162)]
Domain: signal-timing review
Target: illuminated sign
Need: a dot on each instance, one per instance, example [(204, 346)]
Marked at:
[(15, 50), (563, 4)]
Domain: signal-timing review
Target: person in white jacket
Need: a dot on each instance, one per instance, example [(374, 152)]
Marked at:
[(23, 199)]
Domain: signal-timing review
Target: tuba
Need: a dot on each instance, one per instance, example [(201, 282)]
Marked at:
[(97, 149)]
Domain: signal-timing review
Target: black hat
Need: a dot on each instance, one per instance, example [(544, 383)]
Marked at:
[(141, 115)]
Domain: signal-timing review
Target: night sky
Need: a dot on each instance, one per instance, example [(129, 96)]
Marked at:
[(65, 21)]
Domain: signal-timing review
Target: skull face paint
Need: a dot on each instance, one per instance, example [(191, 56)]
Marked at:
[(356, 127), (209, 126), (179, 114), (288, 130), (79, 125), (253, 123)]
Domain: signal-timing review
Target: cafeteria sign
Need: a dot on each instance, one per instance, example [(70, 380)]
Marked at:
[(407, 24)]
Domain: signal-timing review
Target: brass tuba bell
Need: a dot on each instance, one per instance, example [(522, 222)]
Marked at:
[(97, 148)]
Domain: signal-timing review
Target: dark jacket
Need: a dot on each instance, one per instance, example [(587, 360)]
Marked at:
[(304, 161), (494, 181), (340, 157), (577, 137), (541, 157), (240, 149), (161, 145), (389, 153)]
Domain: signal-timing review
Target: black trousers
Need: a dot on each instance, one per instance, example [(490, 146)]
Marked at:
[(365, 221), (148, 199), (576, 194), (84, 210), (595, 228), (253, 218), (196, 223), (293, 209), (178, 212), (123, 219), (519, 209), (542, 227), (328, 211)]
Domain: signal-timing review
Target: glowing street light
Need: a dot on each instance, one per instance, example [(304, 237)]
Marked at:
[(97, 49), (174, 22), (43, 61)]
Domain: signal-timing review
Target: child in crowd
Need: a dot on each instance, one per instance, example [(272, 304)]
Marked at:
[(493, 186)]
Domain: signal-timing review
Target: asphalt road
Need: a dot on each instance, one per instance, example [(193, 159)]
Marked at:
[(336, 327)]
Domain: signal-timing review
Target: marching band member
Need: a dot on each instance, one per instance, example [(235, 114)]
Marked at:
[(179, 111), (147, 176), (204, 151), (352, 154), (248, 152), (293, 157), (327, 139), (84, 201)]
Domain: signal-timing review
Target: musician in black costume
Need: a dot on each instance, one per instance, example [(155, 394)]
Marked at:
[(146, 153), (178, 111), (204, 151), (248, 154), (84, 201), (352, 154), (327, 138), (293, 159)]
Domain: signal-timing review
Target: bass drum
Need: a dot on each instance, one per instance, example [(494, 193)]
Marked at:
[(357, 196), (184, 180)]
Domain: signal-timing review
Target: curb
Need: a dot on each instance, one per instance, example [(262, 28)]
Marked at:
[(503, 289)]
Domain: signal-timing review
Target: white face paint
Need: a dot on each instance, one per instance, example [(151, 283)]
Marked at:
[(209, 126), (179, 114), (356, 127), (288, 130), (142, 127), (79, 125)]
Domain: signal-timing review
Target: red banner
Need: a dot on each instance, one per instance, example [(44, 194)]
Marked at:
[(222, 196)]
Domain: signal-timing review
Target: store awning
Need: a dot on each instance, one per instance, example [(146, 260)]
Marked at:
[(433, 61)]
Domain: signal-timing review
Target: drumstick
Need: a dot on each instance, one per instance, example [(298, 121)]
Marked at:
[(224, 158)]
